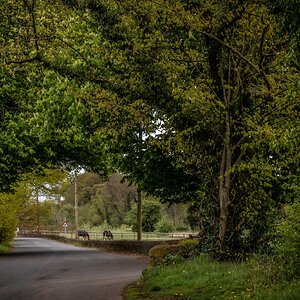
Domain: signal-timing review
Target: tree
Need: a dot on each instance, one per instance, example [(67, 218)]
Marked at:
[(88, 184), (214, 74), (287, 14), (208, 84), (43, 115), (112, 201), (150, 216), (48, 185)]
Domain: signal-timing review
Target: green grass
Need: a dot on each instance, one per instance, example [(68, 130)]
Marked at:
[(205, 279), (4, 248), (134, 292)]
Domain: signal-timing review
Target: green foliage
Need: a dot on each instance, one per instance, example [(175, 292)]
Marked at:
[(111, 201), (194, 101), (157, 254), (9, 208), (47, 184), (150, 216), (87, 185), (287, 13), (43, 116), (189, 248), (202, 278), (204, 79), (164, 225), (175, 216), (4, 248), (173, 253), (8, 223), (63, 212), (287, 240)]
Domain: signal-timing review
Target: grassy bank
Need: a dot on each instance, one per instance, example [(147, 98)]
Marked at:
[(203, 278), (4, 248)]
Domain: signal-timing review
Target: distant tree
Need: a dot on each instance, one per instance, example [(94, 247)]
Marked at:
[(113, 200), (48, 185), (177, 214), (87, 186), (150, 216)]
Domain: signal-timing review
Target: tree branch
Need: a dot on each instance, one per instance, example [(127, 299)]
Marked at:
[(237, 162), (256, 69), (37, 57)]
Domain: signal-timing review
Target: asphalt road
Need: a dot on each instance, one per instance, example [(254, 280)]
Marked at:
[(40, 269)]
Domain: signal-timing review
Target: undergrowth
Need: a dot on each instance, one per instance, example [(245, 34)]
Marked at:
[(4, 248)]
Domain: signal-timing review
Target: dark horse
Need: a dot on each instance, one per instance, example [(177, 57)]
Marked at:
[(107, 235), (84, 234)]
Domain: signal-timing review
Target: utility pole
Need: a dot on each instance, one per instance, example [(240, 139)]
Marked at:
[(139, 214), (37, 210), (139, 193), (76, 205)]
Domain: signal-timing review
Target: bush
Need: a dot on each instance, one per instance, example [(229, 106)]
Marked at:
[(8, 222), (4, 248), (189, 248), (166, 254), (158, 253), (164, 225), (287, 240)]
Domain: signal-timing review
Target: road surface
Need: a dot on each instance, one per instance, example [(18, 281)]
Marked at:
[(40, 269)]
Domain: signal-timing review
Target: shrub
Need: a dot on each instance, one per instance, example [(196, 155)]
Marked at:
[(164, 225), (158, 253), (166, 254), (287, 240), (8, 221), (188, 248)]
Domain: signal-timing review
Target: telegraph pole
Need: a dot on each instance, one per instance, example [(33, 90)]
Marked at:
[(139, 194), (139, 214), (37, 210), (76, 205)]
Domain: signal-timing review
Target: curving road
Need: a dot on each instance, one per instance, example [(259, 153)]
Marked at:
[(40, 269)]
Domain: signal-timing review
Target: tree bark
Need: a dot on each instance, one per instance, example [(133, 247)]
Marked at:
[(224, 182)]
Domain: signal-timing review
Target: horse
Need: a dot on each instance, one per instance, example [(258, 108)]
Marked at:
[(84, 234), (107, 235)]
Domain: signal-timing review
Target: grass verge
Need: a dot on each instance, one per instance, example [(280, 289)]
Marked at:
[(203, 278), (4, 248)]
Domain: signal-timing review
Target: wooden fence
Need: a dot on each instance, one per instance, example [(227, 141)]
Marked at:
[(97, 235)]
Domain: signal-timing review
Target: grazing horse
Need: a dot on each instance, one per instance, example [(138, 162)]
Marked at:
[(107, 235), (84, 234)]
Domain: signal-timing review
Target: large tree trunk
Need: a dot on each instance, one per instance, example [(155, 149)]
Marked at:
[(224, 182)]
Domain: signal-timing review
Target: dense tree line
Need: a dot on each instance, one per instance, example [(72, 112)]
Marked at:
[(46, 201)]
